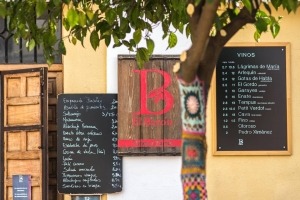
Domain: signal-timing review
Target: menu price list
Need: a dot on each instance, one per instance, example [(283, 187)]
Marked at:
[(251, 99), (87, 144)]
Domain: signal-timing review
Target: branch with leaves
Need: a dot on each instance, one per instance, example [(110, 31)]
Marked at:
[(209, 24)]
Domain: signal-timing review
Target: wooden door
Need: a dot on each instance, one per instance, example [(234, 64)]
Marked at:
[(55, 87), (24, 130)]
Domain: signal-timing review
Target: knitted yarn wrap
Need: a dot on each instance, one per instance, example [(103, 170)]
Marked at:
[(193, 98)]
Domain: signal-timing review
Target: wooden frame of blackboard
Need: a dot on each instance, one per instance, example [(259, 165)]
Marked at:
[(213, 102)]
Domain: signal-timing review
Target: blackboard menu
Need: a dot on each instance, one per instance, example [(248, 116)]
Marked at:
[(87, 160), (251, 99)]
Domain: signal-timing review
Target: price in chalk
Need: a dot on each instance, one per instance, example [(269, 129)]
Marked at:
[(87, 144)]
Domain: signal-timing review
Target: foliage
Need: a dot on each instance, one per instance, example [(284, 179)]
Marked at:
[(123, 22)]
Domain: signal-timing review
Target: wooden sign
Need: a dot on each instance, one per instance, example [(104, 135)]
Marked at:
[(87, 160), (149, 107), (253, 100)]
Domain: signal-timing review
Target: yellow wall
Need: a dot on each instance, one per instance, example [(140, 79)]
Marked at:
[(84, 68), (262, 177), (229, 177), (84, 72)]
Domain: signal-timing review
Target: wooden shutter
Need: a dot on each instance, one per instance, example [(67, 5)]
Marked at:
[(24, 130), (156, 130)]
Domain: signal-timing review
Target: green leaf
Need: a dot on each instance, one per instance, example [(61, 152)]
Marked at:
[(66, 2), (218, 23), (276, 3), (16, 38), (110, 15), (175, 4), (74, 40), (197, 2), (81, 19), (56, 2), (142, 55), (256, 36), (30, 44), (103, 27), (137, 36), (135, 14), (261, 25), (187, 30), (2, 10), (159, 11), (49, 38), (132, 42), (262, 15), (94, 39), (175, 20), (293, 4), (275, 28), (172, 40), (41, 7), (150, 46), (165, 26), (141, 24), (62, 48), (123, 24), (126, 43), (148, 15), (50, 60), (116, 39), (107, 39), (248, 5), (72, 17), (66, 24), (117, 45), (164, 35), (89, 14), (52, 39), (267, 7), (84, 30), (180, 28)]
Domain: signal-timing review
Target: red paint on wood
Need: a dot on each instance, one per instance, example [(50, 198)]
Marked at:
[(158, 93), (149, 143)]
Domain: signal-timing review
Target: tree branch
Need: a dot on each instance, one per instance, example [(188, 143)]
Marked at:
[(215, 45), (236, 24), (194, 19), (195, 53)]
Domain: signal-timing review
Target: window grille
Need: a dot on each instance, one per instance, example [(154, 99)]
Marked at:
[(12, 53)]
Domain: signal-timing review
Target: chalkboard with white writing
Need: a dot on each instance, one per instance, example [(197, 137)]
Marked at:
[(87, 160), (251, 99)]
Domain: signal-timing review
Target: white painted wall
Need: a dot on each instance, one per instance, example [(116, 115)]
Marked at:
[(147, 178)]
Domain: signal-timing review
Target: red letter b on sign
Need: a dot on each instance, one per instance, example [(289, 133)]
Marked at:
[(158, 93)]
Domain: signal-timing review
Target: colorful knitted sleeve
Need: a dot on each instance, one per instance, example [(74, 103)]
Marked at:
[(193, 97)]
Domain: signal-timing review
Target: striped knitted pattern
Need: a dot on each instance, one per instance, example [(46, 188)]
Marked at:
[(193, 108)]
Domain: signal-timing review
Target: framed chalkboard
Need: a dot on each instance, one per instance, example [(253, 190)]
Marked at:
[(87, 161), (251, 100)]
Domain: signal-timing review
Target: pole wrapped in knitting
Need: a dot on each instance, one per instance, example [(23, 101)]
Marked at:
[(193, 97)]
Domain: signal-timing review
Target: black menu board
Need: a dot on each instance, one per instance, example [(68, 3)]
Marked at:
[(251, 98), (87, 161)]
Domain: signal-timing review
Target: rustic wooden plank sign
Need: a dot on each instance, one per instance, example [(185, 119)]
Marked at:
[(149, 107)]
